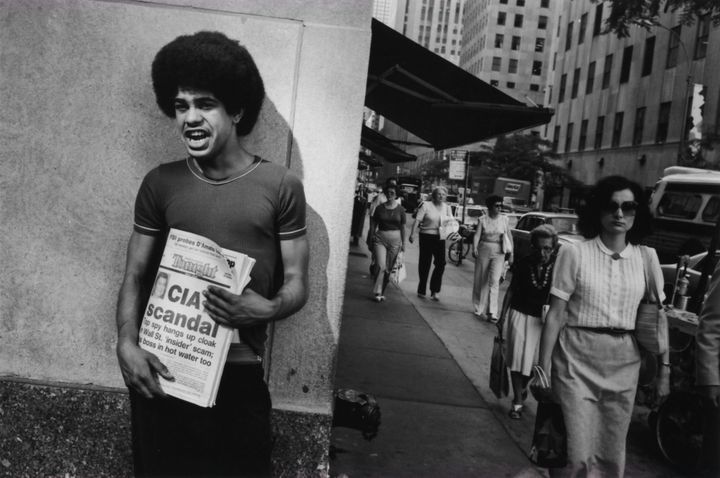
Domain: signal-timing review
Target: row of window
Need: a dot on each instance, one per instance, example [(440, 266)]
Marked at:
[(671, 59), (521, 3), (513, 65), (661, 132), (520, 18), (511, 85), (515, 42)]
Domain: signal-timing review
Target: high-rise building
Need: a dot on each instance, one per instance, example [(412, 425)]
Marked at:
[(434, 24), (508, 43), (630, 106), (386, 11)]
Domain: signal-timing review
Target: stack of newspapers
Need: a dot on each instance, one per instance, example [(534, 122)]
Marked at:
[(176, 327)]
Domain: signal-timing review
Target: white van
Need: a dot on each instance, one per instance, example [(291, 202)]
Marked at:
[(685, 205)]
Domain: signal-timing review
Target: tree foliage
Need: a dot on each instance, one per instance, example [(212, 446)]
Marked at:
[(521, 156), (646, 13)]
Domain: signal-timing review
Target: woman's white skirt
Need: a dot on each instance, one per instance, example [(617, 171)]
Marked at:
[(523, 341)]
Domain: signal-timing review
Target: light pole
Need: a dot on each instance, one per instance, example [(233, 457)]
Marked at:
[(647, 24)]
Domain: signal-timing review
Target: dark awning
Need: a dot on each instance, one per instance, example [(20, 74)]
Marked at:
[(436, 100), (382, 146)]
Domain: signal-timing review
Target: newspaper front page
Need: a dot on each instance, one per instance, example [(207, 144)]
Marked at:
[(175, 326)]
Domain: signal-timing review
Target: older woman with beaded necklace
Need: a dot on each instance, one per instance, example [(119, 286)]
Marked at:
[(524, 302)]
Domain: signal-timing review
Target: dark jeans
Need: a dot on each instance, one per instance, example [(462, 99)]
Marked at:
[(172, 437), (431, 248)]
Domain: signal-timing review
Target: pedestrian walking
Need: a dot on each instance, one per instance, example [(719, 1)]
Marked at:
[(588, 334), (388, 232), (707, 366), (524, 302), (429, 219), (493, 246)]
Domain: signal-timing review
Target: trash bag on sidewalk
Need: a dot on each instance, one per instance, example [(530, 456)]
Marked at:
[(357, 410)]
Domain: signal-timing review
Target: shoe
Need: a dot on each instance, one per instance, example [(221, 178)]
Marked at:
[(492, 319), (382, 298), (421, 295), (378, 298), (516, 412), (478, 316), (434, 297)]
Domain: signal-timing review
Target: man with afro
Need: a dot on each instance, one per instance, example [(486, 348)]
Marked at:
[(210, 86)]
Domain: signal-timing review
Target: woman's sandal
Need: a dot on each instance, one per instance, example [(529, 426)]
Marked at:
[(516, 412)]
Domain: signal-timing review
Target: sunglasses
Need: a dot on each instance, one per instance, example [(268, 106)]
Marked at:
[(627, 207), (499, 204)]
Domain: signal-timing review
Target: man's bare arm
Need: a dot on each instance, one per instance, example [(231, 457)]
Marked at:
[(139, 367), (250, 308)]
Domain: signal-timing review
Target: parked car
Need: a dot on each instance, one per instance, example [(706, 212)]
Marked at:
[(564, 224), (695, 265), (472, 216)]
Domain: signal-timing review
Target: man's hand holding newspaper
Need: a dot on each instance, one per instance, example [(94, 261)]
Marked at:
[(183, 348)]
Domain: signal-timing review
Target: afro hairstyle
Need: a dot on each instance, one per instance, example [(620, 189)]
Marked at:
[(209, 61)]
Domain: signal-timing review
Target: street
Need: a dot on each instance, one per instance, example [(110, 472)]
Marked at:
[(468, 342)]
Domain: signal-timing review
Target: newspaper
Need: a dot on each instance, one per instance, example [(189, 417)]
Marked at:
[(175, 326)]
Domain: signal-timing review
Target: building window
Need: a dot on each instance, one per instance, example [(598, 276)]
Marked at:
[(701, 41), (568, 36), (639, 125), (499, 40), (597, 26), (494, 82), (568, 137), (537, 68), (515, 43), (511, 84), (599, 132), (544, 3), (542, 22), (617, 129), (663, 122), (590, 78), (582, 29), (673, 47), (503, 2), (561, 93), (497, 63), (518, 21), (575, 83), (501, 18), (556, 139), (520, 3), (554, 60), (539, 45), (607, 69), (648, 56), (534, 87), (583, 135), (557, 33), (512, 66), (626, 61)]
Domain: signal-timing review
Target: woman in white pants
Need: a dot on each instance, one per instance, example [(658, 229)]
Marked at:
[(490, 261)]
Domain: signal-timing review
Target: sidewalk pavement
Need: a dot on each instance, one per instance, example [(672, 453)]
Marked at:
[(439, 418), (428, 365)]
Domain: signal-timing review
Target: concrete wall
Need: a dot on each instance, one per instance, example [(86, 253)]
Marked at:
[(81, 129)]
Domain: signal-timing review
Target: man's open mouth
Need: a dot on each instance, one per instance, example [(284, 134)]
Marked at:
[(196, 138)]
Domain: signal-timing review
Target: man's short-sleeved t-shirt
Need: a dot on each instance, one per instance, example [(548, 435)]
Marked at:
[(250, 212)]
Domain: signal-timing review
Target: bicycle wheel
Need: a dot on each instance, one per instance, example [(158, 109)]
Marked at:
[(455, 253)]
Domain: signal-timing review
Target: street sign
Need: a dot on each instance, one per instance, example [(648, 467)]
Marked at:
[(456, 169)]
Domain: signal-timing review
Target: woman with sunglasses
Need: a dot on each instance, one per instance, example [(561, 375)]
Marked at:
[(588, 334), (490, 259), (388, 233)]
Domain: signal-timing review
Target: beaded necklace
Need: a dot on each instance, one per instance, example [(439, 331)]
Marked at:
[(545, 276)]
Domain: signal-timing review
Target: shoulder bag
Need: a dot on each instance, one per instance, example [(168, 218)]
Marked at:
[(448, 224), (507, 245), (499, 380), (651, 325)]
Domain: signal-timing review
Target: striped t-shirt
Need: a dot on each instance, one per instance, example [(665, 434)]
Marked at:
[(602, 291)]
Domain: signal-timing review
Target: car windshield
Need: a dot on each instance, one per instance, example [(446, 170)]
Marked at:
[(564, 225)]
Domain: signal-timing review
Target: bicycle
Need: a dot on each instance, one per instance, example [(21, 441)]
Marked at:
[(461, 244)]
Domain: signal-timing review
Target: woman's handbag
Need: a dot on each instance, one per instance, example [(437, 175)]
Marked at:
[(448, 224), (398, 273), (499, 380), (651, 325), (507, 245), (549, 445)]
